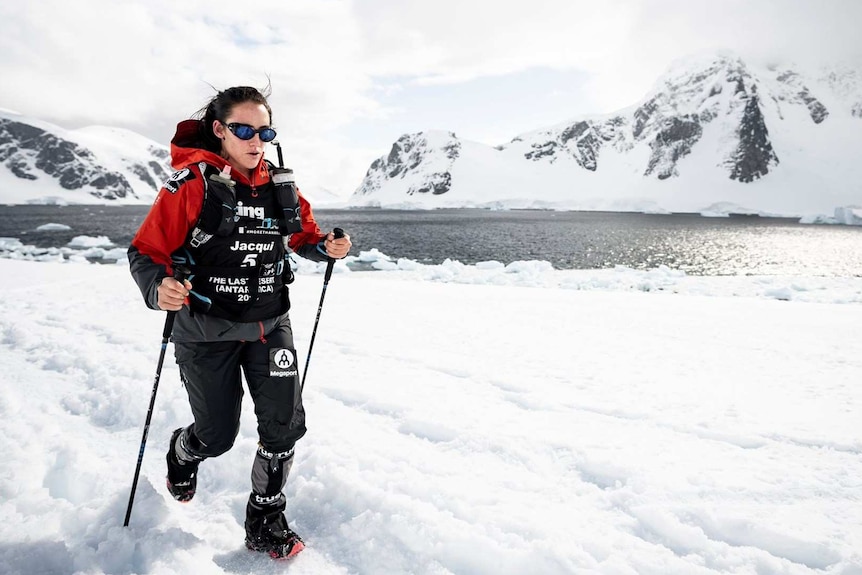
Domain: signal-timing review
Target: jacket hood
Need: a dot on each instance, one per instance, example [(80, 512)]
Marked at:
[(187, 148)]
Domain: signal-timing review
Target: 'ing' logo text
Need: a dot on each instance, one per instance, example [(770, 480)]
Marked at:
[(255, 212)]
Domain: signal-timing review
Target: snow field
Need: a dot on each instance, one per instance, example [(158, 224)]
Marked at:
[(580, 425)]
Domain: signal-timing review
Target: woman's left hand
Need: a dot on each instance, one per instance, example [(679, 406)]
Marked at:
[(337, 248)]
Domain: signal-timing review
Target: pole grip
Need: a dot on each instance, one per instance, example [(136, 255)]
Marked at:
[(336, 233), (181, 274), (169, 326)]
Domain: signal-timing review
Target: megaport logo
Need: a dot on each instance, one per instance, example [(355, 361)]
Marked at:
[(282, 362)]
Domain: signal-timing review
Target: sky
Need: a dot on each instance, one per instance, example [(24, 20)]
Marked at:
[(349, 77), (610, 433)]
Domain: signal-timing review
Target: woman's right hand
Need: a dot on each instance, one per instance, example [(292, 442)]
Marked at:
[(172, 294)]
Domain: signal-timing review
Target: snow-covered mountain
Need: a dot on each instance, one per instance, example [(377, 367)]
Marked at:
[(44, 163), (715, 134)]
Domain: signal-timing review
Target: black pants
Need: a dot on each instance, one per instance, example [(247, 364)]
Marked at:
[(211, 374)]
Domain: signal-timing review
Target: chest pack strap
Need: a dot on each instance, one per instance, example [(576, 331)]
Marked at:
[(218, 215)]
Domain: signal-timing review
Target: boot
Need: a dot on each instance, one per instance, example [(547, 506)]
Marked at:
[(182, 479), (270, 534)]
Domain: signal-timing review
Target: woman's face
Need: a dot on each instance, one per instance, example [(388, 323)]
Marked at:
[(243, 155)]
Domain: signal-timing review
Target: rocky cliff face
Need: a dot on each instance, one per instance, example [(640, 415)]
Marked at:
[(671, 122), (722, 110), (36, 154), (416, 153)]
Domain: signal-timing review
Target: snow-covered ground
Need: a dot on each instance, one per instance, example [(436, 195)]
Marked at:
[(480, 419)]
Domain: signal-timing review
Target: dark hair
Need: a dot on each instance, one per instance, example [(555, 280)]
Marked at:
[(220, 106)]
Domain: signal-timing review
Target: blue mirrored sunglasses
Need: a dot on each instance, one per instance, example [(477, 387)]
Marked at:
[(246, 132)]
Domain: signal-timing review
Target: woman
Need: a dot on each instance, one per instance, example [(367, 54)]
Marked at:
[(220, 223)]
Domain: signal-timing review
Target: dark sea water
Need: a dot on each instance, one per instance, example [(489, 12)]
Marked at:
[(569, 240)]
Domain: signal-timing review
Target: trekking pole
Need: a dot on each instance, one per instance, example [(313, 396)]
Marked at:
[(336, 233), (180, 274)]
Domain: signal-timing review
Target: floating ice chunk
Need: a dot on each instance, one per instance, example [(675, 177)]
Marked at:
[(90, 242), (53, 228)]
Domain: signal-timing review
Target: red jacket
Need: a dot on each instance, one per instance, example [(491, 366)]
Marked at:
[(166, 229), (175, 213)]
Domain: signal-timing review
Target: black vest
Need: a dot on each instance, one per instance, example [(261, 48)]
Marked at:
[(236, 251)]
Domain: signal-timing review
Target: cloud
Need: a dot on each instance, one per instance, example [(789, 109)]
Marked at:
[(451, 41), (138, 61)]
